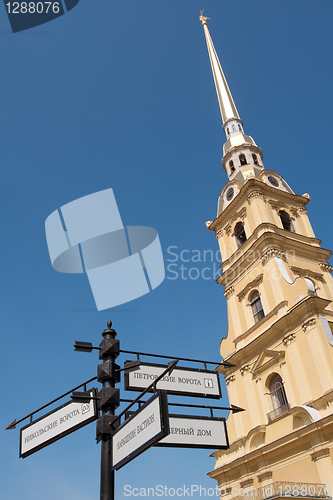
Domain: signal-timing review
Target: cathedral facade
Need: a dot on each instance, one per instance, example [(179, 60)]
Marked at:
[(279, 293)]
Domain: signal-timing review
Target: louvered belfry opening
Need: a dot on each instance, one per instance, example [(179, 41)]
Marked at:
[(240, 234), (242, 159), (286, 221)]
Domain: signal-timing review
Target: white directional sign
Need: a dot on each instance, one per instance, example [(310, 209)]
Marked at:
[(144, 428), (183, 381), (196, 432), (56, 424)]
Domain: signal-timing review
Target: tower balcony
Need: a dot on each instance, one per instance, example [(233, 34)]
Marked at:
[(278, 412)]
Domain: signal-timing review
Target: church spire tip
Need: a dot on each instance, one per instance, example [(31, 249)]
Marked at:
[(203, 18), (227, 105), (232, 124)]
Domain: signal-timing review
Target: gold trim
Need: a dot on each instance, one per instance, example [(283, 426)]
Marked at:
[(226, 102)]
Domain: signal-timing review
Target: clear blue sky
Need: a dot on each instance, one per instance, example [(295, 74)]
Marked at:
[(121, 95)]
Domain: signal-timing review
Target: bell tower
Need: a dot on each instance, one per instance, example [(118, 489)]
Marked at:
[(279, 292)]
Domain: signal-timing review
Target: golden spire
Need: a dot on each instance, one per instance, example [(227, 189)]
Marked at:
[(232, 124), (227, 105)]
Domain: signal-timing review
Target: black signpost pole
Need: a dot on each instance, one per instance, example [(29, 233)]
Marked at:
[(108, 374), (108, 399)]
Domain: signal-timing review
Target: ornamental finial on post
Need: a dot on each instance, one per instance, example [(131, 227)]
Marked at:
[(203, 18)]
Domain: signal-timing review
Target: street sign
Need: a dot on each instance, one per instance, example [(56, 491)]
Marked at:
[(144, 428), (57, 424), (196, 432), (182, 381)]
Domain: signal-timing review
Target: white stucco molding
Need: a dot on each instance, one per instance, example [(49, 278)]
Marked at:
[(314, 414)]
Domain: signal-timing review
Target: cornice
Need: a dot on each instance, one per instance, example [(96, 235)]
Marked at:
[(275, 356), (234, 149), (302, 211), (307, 273), (265, 476), (317, 455), (250, 185), (310, 305), (230, 379), (271, 253), (267, 452), (309, 325), (233, 447), (245, 369), (306, 309), (246, 483), (256, 194), (325, 400), (276, 240), (229, 292), (267, 317), (249, 286), (278, 205), (326, 267), (289, 339)]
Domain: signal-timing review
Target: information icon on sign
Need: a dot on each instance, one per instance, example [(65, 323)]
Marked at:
[(208, 382)]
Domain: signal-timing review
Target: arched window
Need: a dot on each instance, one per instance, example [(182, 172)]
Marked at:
[(255, 159), (286, 221), (242, 159), (257, 309), (231, 165), (228, 131), (240, 234), (278, 394), (239, 127)]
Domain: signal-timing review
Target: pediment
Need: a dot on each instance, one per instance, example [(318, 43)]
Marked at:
[(266, 359)]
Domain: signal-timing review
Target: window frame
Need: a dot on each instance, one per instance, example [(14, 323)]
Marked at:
[(277, 392), (256, 306)]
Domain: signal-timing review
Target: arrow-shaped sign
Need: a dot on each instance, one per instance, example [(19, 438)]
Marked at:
[(12, 425)]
